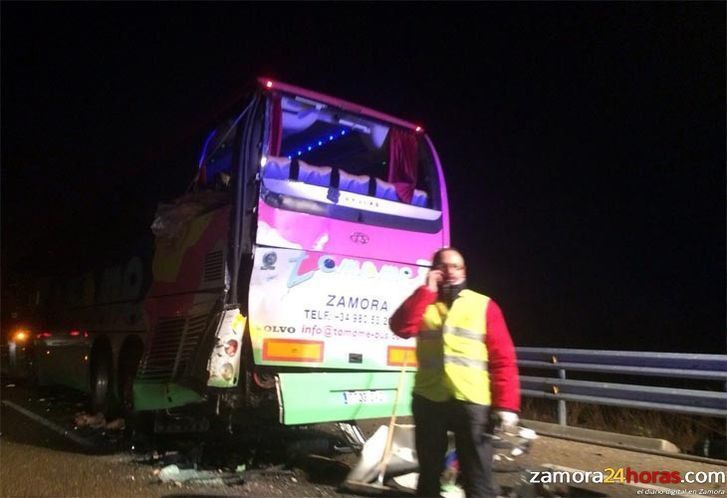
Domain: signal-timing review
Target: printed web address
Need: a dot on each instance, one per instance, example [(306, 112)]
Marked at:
[(328, 331), (627, 475)]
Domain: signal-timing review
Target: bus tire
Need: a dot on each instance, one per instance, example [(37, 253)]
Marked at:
[(101, 368), (129, 360)]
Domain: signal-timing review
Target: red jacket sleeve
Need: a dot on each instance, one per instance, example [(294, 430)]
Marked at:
[(504, 379), (408, 317)]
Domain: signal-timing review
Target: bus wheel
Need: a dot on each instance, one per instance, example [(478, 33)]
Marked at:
[(129, 358), (100, 382)]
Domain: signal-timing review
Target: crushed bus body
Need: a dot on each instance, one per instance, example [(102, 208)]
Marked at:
[(272, 279)]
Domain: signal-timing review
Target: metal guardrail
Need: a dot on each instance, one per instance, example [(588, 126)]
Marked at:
[(614, 364)]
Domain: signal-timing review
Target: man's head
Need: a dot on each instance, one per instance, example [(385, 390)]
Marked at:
[(451, 263)]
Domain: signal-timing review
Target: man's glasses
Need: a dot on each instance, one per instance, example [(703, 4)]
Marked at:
[(449, 266)]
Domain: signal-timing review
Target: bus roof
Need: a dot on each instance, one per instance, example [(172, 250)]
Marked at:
[(268, 83)]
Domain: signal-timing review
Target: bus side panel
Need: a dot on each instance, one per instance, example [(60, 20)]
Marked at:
[(188, 266), (189, 277), (315, 309)]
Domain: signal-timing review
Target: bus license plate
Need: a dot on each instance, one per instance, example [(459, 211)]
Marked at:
[(364, 397)]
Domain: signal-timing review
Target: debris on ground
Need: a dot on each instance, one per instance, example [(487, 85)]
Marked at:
[(98, 421), (84, 419), (116, 425), (173, 474)]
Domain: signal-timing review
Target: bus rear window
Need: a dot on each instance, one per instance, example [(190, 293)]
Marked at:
[(354, 153)]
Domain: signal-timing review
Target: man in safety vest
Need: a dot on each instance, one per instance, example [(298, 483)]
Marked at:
[(467, 379)]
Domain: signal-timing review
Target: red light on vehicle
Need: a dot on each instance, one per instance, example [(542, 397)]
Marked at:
[(231, 347), (269, 84), (42, 335), (419, 129), (74, 333)]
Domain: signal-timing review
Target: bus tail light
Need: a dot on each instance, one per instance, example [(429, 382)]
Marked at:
[(292, 350), (231, 347), (396, 356)]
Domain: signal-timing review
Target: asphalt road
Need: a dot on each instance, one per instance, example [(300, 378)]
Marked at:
[(44, 453)]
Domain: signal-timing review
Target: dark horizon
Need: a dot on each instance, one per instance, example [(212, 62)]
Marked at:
[(583, 143)]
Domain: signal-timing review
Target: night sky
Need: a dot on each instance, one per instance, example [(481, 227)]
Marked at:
[(583, 143)]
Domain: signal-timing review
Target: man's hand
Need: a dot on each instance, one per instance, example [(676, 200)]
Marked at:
[(434, 279), (504, 421)]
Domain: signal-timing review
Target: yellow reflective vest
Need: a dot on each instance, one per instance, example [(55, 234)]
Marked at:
[(451, 351)]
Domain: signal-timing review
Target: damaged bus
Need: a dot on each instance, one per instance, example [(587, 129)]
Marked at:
[(272, 279)]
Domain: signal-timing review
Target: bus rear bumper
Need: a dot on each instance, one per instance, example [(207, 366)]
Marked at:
[(340, 396)]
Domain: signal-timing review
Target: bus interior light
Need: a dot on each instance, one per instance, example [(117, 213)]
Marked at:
[(316, 143)]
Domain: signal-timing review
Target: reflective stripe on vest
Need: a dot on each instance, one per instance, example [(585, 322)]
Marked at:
[(451, 351)]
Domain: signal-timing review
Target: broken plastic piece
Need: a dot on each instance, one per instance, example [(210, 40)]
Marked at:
[(173, 474)]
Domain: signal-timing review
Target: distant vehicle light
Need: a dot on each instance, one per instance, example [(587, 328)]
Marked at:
[(20, 336), (42, 335), (74, 333), (418, 129), (269, 84)]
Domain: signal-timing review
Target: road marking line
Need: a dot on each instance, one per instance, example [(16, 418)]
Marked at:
[(661, 490), (50, 425)]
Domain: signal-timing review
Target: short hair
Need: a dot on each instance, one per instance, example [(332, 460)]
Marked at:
[(437, 257)]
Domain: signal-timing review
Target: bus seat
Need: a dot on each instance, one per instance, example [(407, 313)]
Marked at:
[(358, 184), (386, 190), (314, 175), (277, 168), (282, 168), (419, 198)]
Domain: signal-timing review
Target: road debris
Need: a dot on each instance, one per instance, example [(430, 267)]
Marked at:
[(98, 421), (173, 474), (83, 419)]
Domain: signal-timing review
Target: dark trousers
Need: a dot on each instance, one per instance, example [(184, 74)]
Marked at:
[(468, 421)]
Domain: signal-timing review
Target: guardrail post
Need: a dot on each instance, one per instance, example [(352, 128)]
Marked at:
[(562, 410)]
